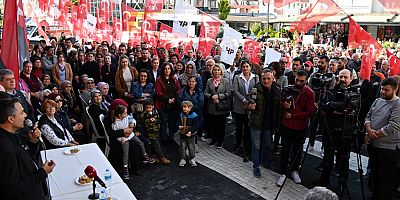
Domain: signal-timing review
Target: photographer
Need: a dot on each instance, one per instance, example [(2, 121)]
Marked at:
[(338, 137), (298, 108)]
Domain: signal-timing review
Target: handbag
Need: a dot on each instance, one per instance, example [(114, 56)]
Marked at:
[(224, 104)]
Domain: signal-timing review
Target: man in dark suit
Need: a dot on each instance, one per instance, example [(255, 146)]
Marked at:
[(20, 177)]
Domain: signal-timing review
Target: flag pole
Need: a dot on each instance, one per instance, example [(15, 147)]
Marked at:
[(268, 18)]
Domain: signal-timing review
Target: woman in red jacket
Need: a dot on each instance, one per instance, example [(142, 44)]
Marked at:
[(167, 91)]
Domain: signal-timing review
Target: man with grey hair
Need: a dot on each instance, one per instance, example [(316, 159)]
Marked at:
[(355, 62), (333, 67), (320, 193), (7, 80)]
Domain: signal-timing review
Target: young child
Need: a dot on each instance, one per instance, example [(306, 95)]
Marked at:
[(149, 126), (122, 121), (188, 124)]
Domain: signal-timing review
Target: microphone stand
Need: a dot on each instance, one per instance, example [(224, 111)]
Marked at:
[(94, 195)]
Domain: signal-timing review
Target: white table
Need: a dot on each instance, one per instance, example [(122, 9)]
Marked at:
[(69, 167)]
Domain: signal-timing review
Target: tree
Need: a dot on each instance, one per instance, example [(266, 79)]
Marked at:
[(223, 9), (255, 28)]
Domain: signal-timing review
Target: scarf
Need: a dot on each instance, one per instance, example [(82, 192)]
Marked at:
[(216, 81)]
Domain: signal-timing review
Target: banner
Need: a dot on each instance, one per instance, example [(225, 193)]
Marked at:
[(230, 45), (128, 17), (208, 32)]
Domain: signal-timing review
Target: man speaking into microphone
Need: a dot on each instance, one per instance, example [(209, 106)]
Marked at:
[(20, 177)]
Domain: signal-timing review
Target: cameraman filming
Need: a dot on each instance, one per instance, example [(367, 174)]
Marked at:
[(338, 137), (298, 106)]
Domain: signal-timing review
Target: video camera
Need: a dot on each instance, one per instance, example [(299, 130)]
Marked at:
[(346, 99), (321, 80), (287, 93)]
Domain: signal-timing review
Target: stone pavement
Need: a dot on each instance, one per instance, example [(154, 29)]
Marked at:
[(221, 175)]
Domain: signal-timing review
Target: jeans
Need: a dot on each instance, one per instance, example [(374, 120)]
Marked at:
[(260, 140), (168, 121), (292, 141), (243, 131), (187, 143)]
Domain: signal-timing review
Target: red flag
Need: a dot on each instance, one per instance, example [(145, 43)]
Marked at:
[(83, 9), (15, 51), (394, 63), (322, 9), (128, 15), (165, 28), (367, 61), (208, 32), (252, 48), (104, 13)]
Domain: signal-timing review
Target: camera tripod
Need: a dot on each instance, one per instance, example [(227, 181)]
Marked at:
[(344, 153)]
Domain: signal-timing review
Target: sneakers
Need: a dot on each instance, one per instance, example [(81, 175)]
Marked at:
[(281, 180), (125, 173), (147, 159), (165, 161), (296, 177), (219, 146), (182, 163), (257, 172), (246, 159), (202, 138), (193, 163)]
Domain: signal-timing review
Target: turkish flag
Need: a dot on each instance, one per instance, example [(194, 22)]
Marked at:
[(357, 35), (165, 28), (252, 48), (368, 59), (83, 9), (208, 32), (104, 13), (322, 9), (394, 63), (14, 43)]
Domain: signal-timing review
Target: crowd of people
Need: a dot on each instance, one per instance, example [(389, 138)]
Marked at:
[(144, 95)]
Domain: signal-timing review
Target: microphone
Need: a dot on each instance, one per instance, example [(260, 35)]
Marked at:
[(28, 123), (91, 173)]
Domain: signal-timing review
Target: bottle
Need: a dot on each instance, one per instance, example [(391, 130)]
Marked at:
[(103, 195), (107, 178)]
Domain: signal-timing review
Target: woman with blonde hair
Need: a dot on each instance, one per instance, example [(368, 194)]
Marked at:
[(124, 78)]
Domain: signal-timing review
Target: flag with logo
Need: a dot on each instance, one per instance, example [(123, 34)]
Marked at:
[(184, 13), (252, 48), (208, 32), (321, 9), (230, 44)]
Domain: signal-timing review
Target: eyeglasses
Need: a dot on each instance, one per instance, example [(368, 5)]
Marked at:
[(90, 83), (58, 100)]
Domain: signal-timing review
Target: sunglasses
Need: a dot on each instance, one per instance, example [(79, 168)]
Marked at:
[(59, 100), (90, 83)]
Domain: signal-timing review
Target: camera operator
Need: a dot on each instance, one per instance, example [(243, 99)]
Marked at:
[(383, 125), (298, 107), (320, 82), (334, 137)]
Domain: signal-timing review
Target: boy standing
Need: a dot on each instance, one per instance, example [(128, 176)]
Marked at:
[(149, 126), (188, 124)]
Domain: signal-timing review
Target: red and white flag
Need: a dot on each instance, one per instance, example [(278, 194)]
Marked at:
[(322, 9), (252, 48), (208, 32), (394, 63), (14, 43), (359, 37)]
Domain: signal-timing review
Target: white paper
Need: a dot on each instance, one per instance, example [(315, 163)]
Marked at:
[(270, 56)]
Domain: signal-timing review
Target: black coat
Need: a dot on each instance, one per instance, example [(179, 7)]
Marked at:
[(20, 178)]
